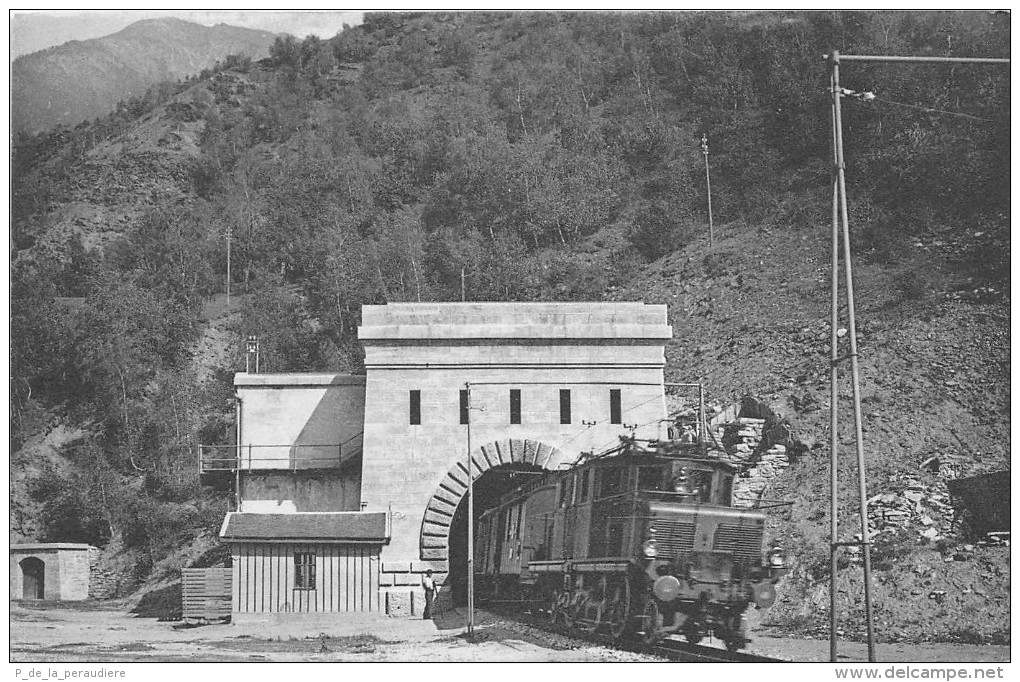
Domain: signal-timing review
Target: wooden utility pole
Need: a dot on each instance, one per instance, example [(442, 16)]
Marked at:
[(708, 186)]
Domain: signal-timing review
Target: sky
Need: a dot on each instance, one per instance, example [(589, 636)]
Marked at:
[(33, 30)]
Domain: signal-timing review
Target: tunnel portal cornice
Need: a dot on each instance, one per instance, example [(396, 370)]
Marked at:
[(483, 323)]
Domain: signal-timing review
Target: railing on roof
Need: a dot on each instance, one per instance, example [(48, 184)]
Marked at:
[(290, 457)]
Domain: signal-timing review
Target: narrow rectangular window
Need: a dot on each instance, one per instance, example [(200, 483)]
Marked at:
[(583, 495), (415, 407), (615, 413), (566, 491), (463, 406), (304, 570), (564, 406), (515, 406)]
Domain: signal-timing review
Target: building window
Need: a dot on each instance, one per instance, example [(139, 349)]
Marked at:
[(615, 413), (415, 408), (463, 406), (304, 570), (515, 406), (564, 406)]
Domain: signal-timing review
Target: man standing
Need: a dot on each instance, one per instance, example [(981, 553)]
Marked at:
[(430, 593)]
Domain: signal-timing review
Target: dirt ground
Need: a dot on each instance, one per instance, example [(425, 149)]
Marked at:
[(90, 632)]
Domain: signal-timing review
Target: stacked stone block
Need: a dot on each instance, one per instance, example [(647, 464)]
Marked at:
[(400, 583), (756, 449)]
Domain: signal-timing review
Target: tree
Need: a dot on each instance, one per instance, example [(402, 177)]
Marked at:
[(286, 52)]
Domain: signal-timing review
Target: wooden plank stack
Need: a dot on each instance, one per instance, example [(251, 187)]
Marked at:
[(205, 593)]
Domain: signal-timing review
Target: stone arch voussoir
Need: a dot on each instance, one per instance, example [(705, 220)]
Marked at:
[(435, 527)]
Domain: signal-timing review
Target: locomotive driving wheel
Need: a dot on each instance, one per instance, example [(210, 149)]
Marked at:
[(618, 612), (650, 618), (556, 607), (593, 611), (736, 632), (692, 631)]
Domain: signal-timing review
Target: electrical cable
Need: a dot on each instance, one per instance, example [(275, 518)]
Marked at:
[(933, 110), (631, 407), (651, 421)]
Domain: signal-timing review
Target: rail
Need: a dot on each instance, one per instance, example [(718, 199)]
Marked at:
[(675, 650), (291, 457)]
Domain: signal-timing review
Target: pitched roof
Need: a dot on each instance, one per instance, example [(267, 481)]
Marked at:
[(331, 527)]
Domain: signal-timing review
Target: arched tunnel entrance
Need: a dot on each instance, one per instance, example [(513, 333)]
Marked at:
[(488, 488)]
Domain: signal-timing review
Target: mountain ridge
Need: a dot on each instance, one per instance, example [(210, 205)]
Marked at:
[(83, 79)]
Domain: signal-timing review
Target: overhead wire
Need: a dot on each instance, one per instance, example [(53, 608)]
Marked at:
[(631, 407), (871, 97), (934, 110), (609, 444)]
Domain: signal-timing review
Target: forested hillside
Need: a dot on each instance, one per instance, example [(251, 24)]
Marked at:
[(501, 157)]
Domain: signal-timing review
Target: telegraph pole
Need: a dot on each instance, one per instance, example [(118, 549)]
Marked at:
[(708, 186)]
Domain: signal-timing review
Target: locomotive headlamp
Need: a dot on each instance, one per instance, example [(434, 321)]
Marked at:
[(649, 550), (666, 588), (777, 563)]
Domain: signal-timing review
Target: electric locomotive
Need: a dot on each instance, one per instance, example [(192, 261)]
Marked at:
[(641, 541)]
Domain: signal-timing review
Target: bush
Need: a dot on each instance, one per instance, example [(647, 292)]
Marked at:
[(658, 231)]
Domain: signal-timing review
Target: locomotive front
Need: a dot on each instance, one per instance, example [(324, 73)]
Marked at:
[(703, 558)]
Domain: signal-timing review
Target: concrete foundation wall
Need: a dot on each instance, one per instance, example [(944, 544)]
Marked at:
[(287, 493)]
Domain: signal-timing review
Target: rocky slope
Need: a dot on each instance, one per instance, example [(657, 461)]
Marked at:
[(750, 318), (80, 80)]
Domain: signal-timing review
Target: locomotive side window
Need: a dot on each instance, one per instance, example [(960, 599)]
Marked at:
[(696, 484), (701, 484), (582, 495), (650, 478), (609, 482), (566, 491), (725, 489)]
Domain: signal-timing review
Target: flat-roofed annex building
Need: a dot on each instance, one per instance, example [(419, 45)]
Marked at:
[(316, 452)]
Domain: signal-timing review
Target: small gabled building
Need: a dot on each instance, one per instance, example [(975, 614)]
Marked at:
[(304, 562)]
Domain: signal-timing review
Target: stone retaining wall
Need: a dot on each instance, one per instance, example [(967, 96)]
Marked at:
[(105, 583)]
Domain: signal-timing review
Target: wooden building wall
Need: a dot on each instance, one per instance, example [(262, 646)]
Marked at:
[(346, 578)]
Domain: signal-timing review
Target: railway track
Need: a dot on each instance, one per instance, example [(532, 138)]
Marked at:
[(675, 650), (671, 649)]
